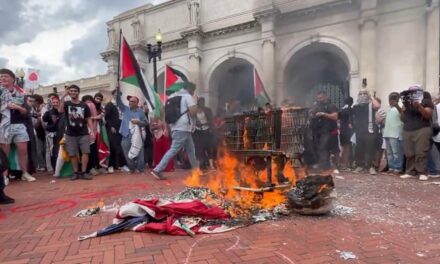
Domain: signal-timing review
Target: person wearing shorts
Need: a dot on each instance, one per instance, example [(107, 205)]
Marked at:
[(77, 136), (14, 112)]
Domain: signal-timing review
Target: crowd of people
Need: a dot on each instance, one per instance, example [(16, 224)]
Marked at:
[(353, 138), (137, 139), (404, 134)]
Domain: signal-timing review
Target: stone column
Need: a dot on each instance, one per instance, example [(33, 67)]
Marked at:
[(267, 19), (194, 36), (432, 48), (367, 25)]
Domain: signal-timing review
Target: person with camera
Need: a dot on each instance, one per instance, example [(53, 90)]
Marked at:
[(366, 131), (417, 131), (324, 116)]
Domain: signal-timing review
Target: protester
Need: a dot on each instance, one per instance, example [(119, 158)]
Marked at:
[(51, 121), (113, 124), (203, 137), (181, 130), (30, 129), (92, 165), (417, 131), (4, 199), (323, 122), (148, 143), (161, 143), (380, 143), (392, 135), (433, 170), (133, 122), (14, 111), (77, 137), (345, 133), (366, 131)]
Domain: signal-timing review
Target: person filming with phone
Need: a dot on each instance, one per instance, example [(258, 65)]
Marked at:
[(417, 131)]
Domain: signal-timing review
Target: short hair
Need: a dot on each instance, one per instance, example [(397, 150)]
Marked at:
[(38, 98), (99, 95), (86, 98), (8, 72), (52, 95), (394, 95), (74, 86), (189, 85), (348, 100)]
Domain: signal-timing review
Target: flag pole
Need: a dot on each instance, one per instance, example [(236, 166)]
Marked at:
[(118, 87)]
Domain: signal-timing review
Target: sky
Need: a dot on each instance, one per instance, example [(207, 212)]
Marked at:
[(61, 38)]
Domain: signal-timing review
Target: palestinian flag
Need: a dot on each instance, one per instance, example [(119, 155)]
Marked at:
[(63, 167), (259, 92), (131, 81), (158, 103), (174, 80), (103, 145)]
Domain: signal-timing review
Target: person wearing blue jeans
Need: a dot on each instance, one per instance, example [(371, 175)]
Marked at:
[(181, 131), (392, 135)]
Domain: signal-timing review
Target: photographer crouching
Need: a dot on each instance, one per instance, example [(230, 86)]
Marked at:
[(416, 117)]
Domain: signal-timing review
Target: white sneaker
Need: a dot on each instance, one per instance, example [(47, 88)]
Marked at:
[(423, 177), (111, 170), (94, 172), (358, 170), (406, 176), (125, 168), (373, 171), (27, 177), (336, 171), (6, 180)]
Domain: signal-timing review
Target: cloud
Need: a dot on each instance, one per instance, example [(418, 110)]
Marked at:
[(61, 38)]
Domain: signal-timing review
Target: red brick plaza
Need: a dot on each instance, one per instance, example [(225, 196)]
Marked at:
[(380, 219)]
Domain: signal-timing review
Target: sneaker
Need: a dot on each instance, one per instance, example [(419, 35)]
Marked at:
[(434, 176), (372, 171), (157, 175), (406, 176), (4, 199), (27, 177), (6, 180), (423, 177), (94, 172), (74, 177), (111, 170), (86, 176), (336, 171), (125, 168), (358, 170)]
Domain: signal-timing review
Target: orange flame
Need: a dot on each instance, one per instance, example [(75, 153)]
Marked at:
[(232, 173)]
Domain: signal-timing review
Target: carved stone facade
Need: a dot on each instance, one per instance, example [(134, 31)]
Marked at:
[(372, 39)]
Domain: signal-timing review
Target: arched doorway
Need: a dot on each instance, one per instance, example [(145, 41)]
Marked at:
[(318, 66), (232, 83)]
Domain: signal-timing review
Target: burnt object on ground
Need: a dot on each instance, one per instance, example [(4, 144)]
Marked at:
[(313, 195)]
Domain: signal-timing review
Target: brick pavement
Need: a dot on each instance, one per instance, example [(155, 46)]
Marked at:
[(383, 220)]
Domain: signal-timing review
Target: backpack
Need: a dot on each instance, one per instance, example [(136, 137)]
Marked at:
[(172, 109)]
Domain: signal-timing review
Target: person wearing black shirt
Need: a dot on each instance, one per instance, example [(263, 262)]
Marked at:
[(417, 132), (51, 120), (323, 121), (345, 133), (366, 130), (112, 124), (78, 122)]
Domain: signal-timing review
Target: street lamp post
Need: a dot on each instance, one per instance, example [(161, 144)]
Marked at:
[(19, 77), (155, 54)]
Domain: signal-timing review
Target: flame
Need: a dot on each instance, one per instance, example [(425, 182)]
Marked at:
[(232, 173), (99, 204), (246, 144)]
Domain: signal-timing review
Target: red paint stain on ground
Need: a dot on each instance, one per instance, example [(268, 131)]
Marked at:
[(57, 206)]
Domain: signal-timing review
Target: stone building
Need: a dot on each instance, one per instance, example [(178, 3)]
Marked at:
[(296, 46)]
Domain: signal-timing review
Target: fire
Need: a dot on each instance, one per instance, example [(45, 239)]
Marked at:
[(233, 173), (246, 144)]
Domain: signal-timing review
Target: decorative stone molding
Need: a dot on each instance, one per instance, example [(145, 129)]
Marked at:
[(318, 8), (175, 44), (363, 21), (194, 32), (231, 29), (431, 5), (268, 40), (231, 53), (195, 55), (109, 54), (137, 29), (266, 14)]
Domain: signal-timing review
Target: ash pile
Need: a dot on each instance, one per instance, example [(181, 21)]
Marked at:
[(313, 195)]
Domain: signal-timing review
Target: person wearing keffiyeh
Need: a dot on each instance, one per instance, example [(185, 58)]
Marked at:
[(366, 131)]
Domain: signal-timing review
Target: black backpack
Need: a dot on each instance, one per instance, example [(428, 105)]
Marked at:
[(172, 109)]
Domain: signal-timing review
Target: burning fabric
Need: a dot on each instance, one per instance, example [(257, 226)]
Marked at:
[(313, 195), (185, 217)]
